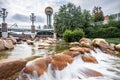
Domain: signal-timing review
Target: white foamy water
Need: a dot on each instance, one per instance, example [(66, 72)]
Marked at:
[(108, 65)]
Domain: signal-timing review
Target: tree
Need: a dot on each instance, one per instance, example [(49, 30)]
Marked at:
[(98, 14), (71, 17)]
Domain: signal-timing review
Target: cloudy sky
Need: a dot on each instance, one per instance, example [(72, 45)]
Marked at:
[(20, 10)]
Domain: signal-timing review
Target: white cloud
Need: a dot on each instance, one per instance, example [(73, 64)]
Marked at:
[(26, 7)]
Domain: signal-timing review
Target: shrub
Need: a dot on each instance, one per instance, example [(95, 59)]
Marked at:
[(71, 36)]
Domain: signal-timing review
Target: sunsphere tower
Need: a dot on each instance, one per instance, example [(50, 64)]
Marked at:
[(49, 12)]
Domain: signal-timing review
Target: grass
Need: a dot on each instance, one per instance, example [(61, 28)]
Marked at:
[(111, 40)]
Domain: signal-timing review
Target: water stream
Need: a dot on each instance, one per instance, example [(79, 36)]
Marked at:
[(108, 65)]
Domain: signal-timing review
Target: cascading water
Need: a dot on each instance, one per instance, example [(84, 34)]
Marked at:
[(107, 65)]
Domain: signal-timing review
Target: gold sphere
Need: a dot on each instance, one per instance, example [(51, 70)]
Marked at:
[(48, 10)]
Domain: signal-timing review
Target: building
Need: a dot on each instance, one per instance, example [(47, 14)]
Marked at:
[(114, 17)]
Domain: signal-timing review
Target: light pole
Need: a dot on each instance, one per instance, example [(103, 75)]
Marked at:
[(55, 24), (3, 15), (32, 18)]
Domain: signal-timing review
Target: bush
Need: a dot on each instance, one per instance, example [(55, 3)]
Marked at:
[(105, 31), (71, 36)]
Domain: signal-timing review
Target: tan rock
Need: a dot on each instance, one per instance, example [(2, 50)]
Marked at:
[(71, 53), (8, 44), (79, 49), (41, 46), (117, 47), (85, 42), (87, 50), (90, 73), (59, 61), (44, 44), (108, 51), (9, 67), (74, 44), (62, 57), (101, 43), (87, 58), (13, 39), (39, 65), (29, 42)]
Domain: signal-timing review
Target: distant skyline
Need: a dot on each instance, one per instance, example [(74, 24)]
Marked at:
[(20, 10)]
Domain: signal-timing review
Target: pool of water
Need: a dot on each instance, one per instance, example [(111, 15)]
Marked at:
[(23, 50)]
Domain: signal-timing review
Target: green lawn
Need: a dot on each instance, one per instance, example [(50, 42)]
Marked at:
[(113, 40)]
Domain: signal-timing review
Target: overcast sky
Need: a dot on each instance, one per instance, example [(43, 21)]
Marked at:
[(20, 10)]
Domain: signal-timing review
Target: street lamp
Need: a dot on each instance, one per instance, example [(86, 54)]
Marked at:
[(3, 15), (32, 18), (55, 24)]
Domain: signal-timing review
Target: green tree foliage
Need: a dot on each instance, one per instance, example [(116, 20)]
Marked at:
[(71, 17), (110, 30), (98, 14), (71, 36)]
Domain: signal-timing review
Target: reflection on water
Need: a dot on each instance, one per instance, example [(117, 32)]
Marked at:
[(24, 50)]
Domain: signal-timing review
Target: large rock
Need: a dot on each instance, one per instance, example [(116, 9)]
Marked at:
[(60, 61), (74, 44), (39, 65), (78, 49), (87, 58), (101, 43), (85, 42), (13, 39), (29, 42), (1, 45), (9, 67), (117, 47), (71, 53), (90, 73), (8, 44), (44, 44)]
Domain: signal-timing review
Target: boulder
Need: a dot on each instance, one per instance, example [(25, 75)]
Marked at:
[(1, 45), (90, 73), (117, 47), (71, 53), (9, 67), (13, 39), (39, 65), (85, 42), (29, 42), (109, 51), (60, 61), (8, 44), (44, 44), (87, 49), (74, 44), (87, 58), (78, 49), (101, 43), (41, 46)]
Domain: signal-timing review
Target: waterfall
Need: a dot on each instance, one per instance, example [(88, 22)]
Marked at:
[(78, 69)]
